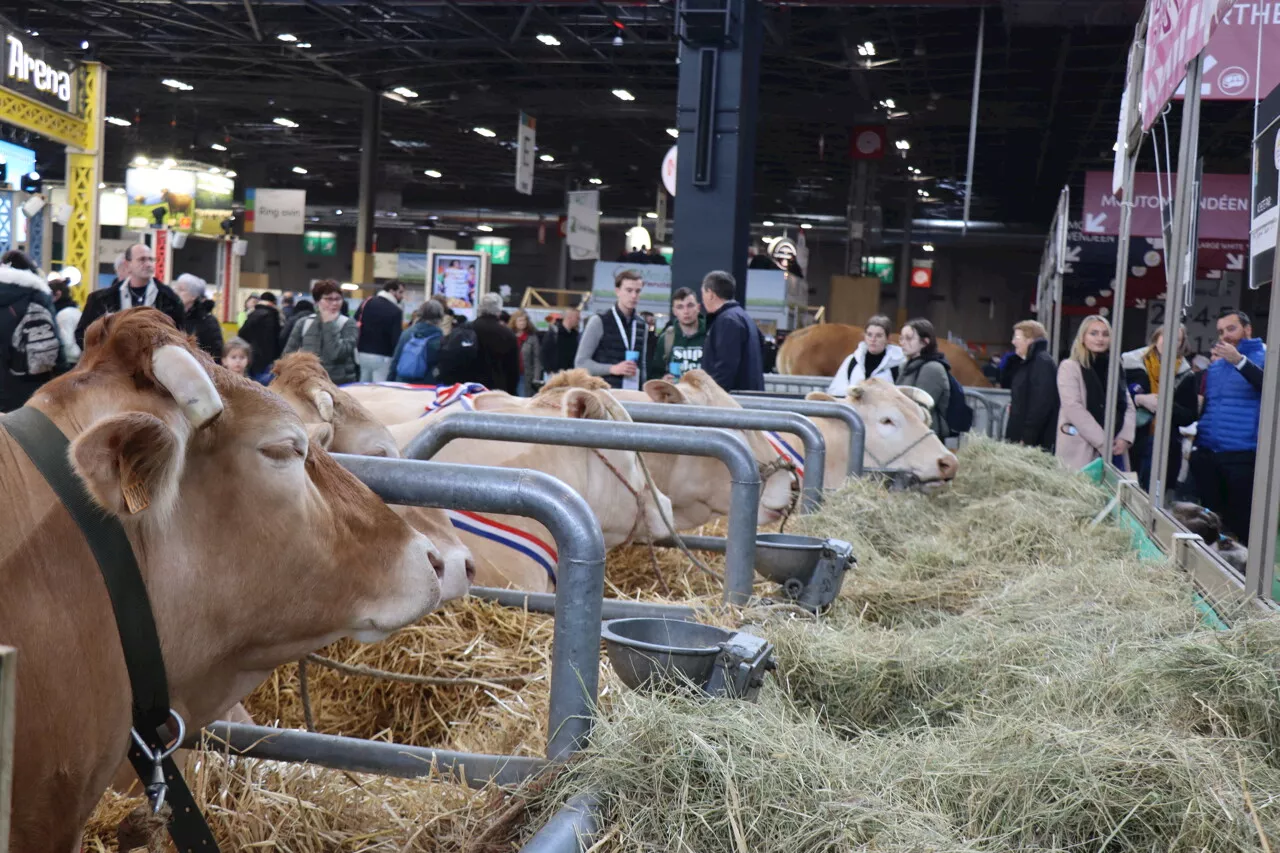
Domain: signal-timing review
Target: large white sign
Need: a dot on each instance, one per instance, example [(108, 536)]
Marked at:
[(582, 225), (526, 139), (276, 211)]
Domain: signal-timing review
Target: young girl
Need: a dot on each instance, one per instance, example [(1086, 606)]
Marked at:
[(237, 355)]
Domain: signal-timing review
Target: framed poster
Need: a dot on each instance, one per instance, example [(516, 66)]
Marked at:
[(462, 277)]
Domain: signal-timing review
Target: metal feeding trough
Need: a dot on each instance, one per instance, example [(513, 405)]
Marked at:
[(648, 652), (809, 570)]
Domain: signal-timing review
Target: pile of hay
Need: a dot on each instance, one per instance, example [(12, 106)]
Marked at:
[(998, 675)]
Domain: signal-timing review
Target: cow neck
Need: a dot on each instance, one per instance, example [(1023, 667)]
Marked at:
[(48, 448), (521, 541)]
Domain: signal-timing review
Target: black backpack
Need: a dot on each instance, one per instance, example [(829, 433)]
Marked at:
[(959, 413), (31, 336), (460, 359)]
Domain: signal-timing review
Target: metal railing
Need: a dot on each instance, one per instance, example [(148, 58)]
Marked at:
[(728, 447), (777, 382)]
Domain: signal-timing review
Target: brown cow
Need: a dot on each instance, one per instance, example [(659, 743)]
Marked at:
[(818, 351), (228, 472)]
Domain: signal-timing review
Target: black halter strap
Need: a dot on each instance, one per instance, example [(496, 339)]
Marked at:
[(47, 448)]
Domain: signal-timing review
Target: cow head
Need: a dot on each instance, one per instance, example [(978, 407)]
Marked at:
[(255, 544), (302, 382), (895, 425), (921, 398), (700, 488)]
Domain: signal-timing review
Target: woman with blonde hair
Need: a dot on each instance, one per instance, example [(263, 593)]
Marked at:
[(1082, 391)]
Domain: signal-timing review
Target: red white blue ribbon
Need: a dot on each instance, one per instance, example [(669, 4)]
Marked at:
[(460, 393), (786, 451), (525, 543)]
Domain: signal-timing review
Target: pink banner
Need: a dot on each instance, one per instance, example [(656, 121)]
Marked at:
[(1231, 69), (1176, 33), (1224, 206)]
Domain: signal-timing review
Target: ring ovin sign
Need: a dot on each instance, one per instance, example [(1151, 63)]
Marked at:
[(37, 72)]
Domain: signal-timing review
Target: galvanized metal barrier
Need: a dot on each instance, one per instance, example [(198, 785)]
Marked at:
[(569, 829), (997, 400), (728, 447), (575, 654), (545, 602), (795, 384), (986, 413), (819, 409), (815, 446)]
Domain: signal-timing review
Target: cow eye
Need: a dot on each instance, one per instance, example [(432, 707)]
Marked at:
[(282, 451), (886, 421)]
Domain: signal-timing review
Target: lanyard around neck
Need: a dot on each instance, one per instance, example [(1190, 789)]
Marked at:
[(617, 318)]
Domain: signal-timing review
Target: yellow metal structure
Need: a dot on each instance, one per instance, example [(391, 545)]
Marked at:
[(83, 138)]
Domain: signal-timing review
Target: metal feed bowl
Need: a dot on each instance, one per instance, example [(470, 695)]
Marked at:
[(781, 557), (644, 650)]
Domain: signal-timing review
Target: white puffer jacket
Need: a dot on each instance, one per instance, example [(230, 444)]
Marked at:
[(853, 368)]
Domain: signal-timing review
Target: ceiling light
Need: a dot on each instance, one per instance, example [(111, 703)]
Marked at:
[(177, 84), (768, 223), (119, 190), (595, 181), (84, 45), (485, 228), (231, 173), (139, 160), (298, 170), (284, 122), (218, 146), (549, 41), (902, 145), (338, 212), (485, 132), (432, 173), (623, 95), (805, 225), (651, 215), (617, 40), (118, 122), (405, 92), (673, 133), (547, 158), (287, 37), (303, 44), (928, 247), (866, 49), (102, 186), (888, 104), (214, 170)]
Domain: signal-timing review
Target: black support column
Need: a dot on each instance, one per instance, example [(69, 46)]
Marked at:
[(717, 113)]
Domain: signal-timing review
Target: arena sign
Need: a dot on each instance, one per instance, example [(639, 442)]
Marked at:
[(36, 72)]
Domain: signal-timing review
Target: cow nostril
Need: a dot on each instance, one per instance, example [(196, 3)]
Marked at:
[(948, 466), (437, 563), (471, 570)]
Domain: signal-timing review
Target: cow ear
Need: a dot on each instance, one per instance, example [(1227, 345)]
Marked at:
[(662, 391), (580, 403), (320, 435), (129, 463), (820, 396), (488, 400), (323, 401)]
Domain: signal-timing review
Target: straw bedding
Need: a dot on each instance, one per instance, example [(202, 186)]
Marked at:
[(998, 675)]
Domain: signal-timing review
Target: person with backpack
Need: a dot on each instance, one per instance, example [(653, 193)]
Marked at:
[(417, 355), (927, 369), (302, 308), (873, 357), (262, 330), (30, 350), (379, 324), (679, 347), (329, 335)]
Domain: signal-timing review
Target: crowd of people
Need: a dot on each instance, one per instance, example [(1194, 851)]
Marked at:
[(1062, 409)]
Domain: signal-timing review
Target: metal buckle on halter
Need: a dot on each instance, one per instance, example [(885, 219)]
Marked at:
[(158, 788)]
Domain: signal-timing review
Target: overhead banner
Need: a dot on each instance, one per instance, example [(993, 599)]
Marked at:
[(1177, 30), (38, 72), (1224, 206), (582, 225), (1231, 68), (274, 211), (526, 145), (185, 198)]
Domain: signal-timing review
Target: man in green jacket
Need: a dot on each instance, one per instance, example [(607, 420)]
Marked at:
[(679, 346)]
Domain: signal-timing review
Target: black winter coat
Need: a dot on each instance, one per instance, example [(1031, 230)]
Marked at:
[(262, 330), (19, 288), (559, 346), (732, 352), (107, 301), (203, 326), (1033, 401)]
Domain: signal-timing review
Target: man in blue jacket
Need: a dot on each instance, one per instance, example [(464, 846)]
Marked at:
[(1226, 446), (732, 352)]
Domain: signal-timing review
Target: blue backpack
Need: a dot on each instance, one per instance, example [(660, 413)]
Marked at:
[(412, 364), (959, 413)]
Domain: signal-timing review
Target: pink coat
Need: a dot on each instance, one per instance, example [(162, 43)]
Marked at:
[(1077, 451)]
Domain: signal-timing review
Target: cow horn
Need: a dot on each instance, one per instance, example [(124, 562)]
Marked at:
[(178, 372), (919, 396), (323, 401)]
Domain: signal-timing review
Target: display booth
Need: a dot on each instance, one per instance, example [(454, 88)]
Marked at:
[(461, 276), (62, 100)]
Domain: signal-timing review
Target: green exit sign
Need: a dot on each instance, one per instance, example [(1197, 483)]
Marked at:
[(498, 249), (882, 268), (319, 243)]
